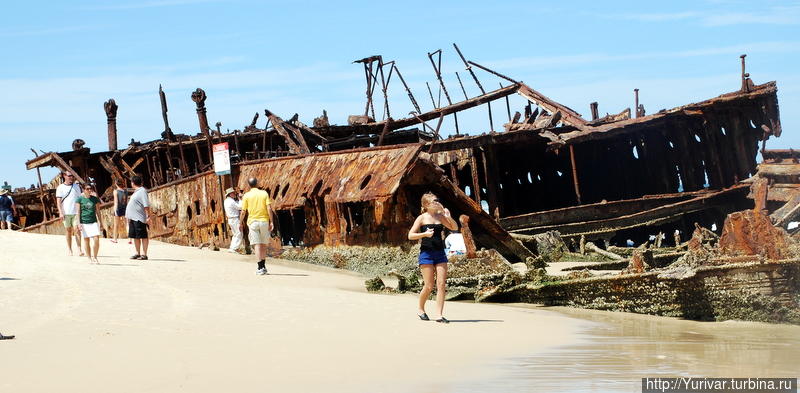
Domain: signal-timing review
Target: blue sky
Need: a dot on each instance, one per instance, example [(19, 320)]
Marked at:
[(63, 59)]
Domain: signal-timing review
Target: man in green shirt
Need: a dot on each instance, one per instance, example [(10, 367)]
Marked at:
[(90, 222)]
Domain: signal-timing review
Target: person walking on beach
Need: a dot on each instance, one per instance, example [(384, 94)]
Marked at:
[(120, 204), (233, 209), (428, 228), (66, 194), (90, 222), (138, 214), (7, 209), (256, 212)]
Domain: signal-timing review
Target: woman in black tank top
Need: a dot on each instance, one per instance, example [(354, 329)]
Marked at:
[(120, 203), (428, 228)]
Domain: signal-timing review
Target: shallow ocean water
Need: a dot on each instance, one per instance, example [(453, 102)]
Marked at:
[(615, 350)]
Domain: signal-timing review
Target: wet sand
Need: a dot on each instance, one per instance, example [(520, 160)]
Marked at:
[(615, 350), (201, 321), (194, 320)]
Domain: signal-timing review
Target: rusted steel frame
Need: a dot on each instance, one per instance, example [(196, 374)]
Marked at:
[(60, 162), (200, 164), (597, 211), (41, 190), (236, 142), (508, 105), (454, 174), (462, 86), (660, 214), (385, 131), (424, 124), (787, 212), (436, 133), (466, 233), (438, 70), (294, 147), (574, 173), (384, 87), (184, 165), (150, 169), (459, 106), (473, 166), (492, 72), (408, 91), (169, 162), (110, 168), (569, 116), (303, 128), (477, 82), (491, 177), (157, 167), (763, 94), (433, 102)]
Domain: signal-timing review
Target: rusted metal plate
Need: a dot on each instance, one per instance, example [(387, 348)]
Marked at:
[(348, 176), (752, 233)]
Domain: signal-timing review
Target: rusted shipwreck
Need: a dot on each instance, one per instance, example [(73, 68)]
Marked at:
[(617, 177)]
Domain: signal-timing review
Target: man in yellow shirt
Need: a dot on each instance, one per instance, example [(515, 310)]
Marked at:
[(258, 216)]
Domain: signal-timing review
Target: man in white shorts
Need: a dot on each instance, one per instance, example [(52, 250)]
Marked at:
[(256, 212)]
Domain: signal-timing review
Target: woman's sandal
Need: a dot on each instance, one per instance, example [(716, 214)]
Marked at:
[(137, 256), (423, 317), (2, 337), (442, 320)]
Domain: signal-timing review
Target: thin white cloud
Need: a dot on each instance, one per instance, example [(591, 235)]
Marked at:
[(578, 59), (45, 31), (659, 17), (770, 16), (763, 15), (151, 4)]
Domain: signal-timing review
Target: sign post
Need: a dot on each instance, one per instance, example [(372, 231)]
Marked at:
[(222, 166), (222, 159)]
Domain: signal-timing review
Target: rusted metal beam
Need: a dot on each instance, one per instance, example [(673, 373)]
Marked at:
[(295, 142), (473, 168), (459, 106), (199, 98), (466, 233), (110, 107), (574, 173), (477, 82), (569, 116)]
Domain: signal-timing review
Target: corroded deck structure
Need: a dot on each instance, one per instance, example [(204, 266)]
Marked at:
[(617, 177)]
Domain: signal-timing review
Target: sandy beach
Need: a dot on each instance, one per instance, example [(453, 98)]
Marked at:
[(202, 321)]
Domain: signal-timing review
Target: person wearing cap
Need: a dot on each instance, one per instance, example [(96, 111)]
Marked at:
[(256, 213), (7, 209), (233, 208), (66, 194), (91, 224)]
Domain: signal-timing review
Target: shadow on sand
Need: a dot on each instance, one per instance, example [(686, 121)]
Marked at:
[(475, 320), (7, 278), (288, 274)]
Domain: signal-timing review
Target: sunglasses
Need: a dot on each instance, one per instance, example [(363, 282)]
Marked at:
[(68, 175), (437, 200)]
